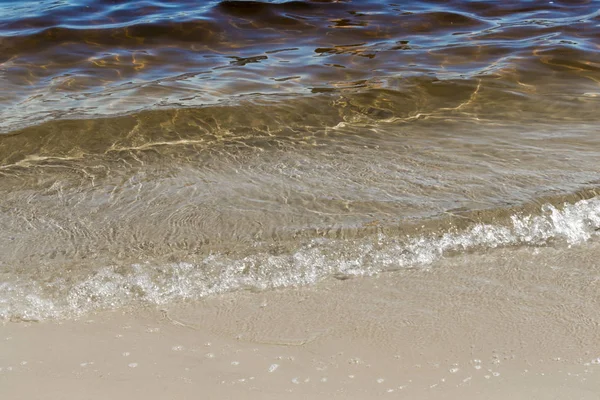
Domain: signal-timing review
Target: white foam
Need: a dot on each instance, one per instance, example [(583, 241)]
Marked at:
[(115, 287)]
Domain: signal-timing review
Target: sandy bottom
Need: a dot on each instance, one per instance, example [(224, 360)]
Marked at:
[(508, 324)]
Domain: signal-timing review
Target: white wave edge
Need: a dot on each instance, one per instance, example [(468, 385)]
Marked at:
[(112, 287)]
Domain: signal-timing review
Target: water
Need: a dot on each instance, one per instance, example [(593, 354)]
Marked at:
[(65, 59), (158, 151)]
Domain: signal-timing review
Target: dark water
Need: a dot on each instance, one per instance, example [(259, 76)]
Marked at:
[(154, 151), (64, 59)]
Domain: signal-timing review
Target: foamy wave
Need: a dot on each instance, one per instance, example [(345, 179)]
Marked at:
[(117, 287)]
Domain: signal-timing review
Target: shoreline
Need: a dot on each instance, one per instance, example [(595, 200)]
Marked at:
[(518, 322)]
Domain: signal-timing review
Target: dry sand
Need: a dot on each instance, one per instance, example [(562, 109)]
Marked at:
[(507, 324)]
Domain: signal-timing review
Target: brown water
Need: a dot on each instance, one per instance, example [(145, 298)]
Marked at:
[(159, 151)]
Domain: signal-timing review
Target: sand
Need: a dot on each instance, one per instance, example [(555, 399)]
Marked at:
[(515, 323)]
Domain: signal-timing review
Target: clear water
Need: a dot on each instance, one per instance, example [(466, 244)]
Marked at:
[(159, 151)]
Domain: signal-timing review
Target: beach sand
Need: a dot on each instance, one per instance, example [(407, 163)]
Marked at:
[(518, 323)]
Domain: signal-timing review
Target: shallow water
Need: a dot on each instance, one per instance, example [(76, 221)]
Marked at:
[(159, 151)]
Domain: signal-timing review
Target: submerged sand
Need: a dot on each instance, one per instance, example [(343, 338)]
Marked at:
[(518, 323)]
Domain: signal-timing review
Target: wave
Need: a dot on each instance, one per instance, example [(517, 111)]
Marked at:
[(150, 284)]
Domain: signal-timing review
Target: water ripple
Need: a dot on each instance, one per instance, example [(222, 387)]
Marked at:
[(66, 59)]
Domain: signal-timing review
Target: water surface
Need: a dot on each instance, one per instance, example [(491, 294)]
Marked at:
[(154, 151)]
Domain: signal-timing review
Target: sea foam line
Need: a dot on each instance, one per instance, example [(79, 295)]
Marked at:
[(144, 283)]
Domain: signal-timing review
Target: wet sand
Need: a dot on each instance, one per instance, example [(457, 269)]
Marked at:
[(519, 323)]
